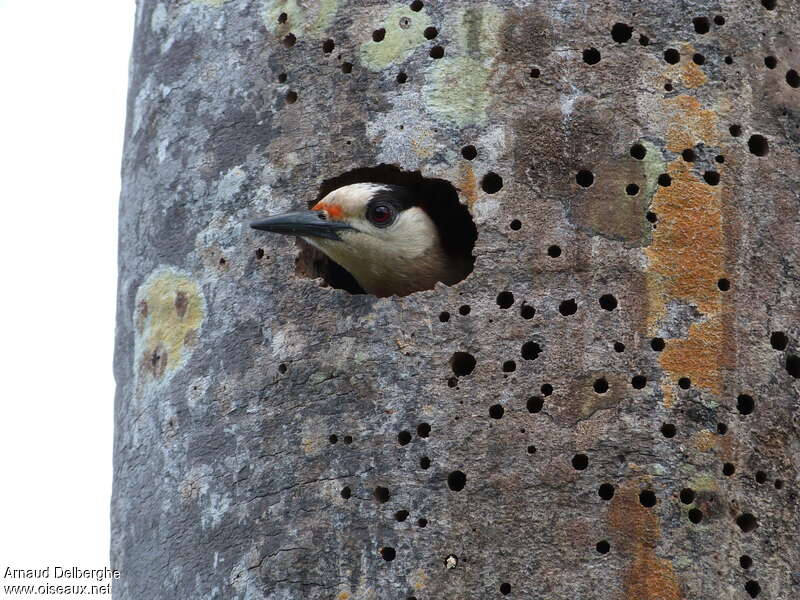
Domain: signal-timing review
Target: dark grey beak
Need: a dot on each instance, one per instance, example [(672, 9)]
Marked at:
[(310, 223)]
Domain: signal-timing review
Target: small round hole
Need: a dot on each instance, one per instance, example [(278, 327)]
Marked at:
[(535, 404), (535, 73), (758, 145), (430, 33), (647, 498), (546, 389), (515, 225), (657, 344), (711, 177), (606, 491), (291, 97), (735, 130), (509, 366), (491, 183), (638, 381), (608, 302), (553, 251), (779, 340), (347, 67), (580, 462), (402, 77), (769, 4), (505, 589), (527, 311), (531, 449), (382, 495), (664, 180), (644, 40), (462, 363), (761, 477), (496, 411), (444, 316), (437, 52), (424, 462), (388, 553), (719, 20), (638, 151), (283, 17), (568, 307), (672, 56), (531, 350), (464, 310), (416, 5), (584, 178), (793, 78), (600, 386), (688, 155), (722, 429), (505, 300), (469, 152), (328, 46), (752, 588), (456, 480), (423, 430), (289, 40), (346, 492), (745, 404), (695, 515), (728, 469), (746, 522), (687, 495), (724, 285), (403, 438), (591, 56), (698, 59), (770, 62), (668, 430), (621, 32), (745, 561), (603, 547), (619, 347), (378, 35), (684, 383), (701, 25), (631, 189)]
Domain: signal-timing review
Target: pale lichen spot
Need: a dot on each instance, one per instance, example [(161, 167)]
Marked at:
[(404, 33), (458, 91), (169, 313), (303, 19)]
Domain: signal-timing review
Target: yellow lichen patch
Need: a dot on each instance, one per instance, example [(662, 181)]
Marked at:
[(403, 33), (637, 533), (343, 596), (303, 19), (170, 309), (467, 184)]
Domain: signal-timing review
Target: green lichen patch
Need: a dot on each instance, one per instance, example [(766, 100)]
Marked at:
[(303, 18), (404, 33)]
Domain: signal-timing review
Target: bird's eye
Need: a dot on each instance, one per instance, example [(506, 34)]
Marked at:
[(381, 215)]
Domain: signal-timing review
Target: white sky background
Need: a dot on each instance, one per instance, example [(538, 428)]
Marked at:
[(63, 85)]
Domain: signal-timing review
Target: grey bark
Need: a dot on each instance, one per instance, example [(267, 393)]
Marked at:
[(259, 445)]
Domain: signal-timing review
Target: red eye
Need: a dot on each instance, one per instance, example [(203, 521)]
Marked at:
[(381, 215)]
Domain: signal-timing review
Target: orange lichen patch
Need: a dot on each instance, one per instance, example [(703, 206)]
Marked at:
[(343, 596), (689, 123), (335, 212), (704, 440), (467, 184), (691, 73), (637, 532), (700, 356)]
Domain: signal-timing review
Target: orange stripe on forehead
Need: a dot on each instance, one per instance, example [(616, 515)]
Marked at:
[(334, 211)]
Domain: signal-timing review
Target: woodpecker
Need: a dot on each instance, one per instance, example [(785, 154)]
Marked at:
[(382, 234)]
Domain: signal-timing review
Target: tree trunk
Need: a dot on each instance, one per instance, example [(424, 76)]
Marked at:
[(605, 408)]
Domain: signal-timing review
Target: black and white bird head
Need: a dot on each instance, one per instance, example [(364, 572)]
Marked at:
[(380, 233)]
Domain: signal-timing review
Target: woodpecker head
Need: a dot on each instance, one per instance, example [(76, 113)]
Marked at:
[(380, 233)]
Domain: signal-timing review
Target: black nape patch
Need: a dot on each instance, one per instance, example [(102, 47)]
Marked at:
[(437, 197)]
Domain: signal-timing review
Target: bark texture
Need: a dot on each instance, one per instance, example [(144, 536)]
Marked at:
[(606, 408)]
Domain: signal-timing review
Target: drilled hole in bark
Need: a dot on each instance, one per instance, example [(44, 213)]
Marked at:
[(752, 588), (530, 350), (333, 438), (381, 494), (745, 561), (347, 67), (793, 365), (719, 158), (728, 60), (378, 35), (664, 180), (644, 40), (698, 59), (496, 411), (711, 177), (291, 97), (619, 347), (491, 183), (456, 480), (638, 381), (769, 4), (554, 251), (770, 62), (722, 429), (793, 78), (388, 553), (672, 56), (606, 491), (600, 385), (516, 225), (505, 300), (401, 77), (509, 366), (403, 438), (695, 515), (328, 46), (647, 498), (760, 477), (687, 495), (437, 52), (430, 33), (282, 77), (546, 389), (568, 307), (444, 316), (584, 178), (424, 462), (505, 589), (346, 493), (436, 197), (758, 145), (684, 383), (621, 32), (745, 404), (631, 189), (531, 449), (283, 17), (688, 155), (591, 56), (416, 6), (638, 151), (527, 311), (580, 462), (746, 522), (603, 547), (469, 152), (535, 404), (724, 285), (728, 469), (289, 40), (668, 430), (464, 310), (779, 340), (608, 302), (462, 363), (657, 344), (535, 73), (701, 25), (719, 20)]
